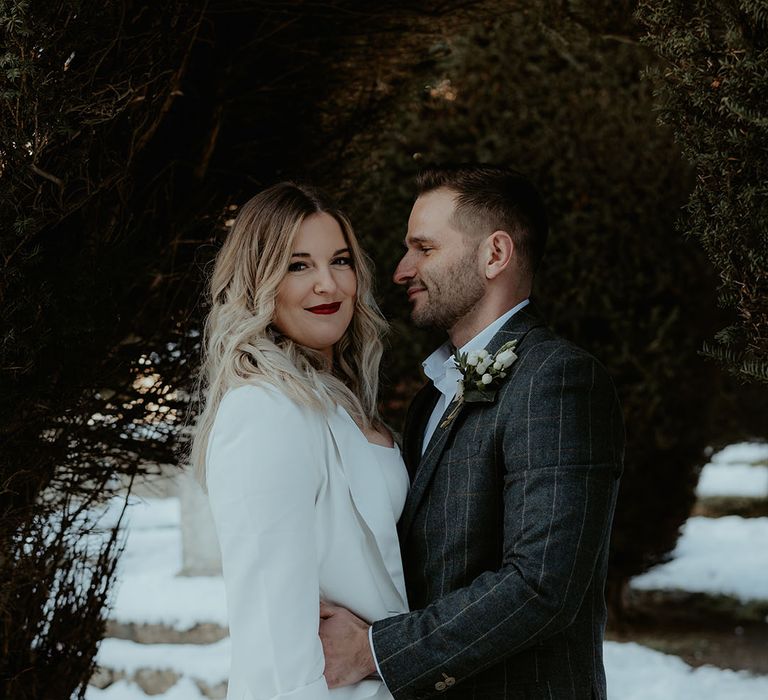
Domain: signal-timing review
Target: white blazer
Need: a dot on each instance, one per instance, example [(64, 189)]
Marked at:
[(301, 513)]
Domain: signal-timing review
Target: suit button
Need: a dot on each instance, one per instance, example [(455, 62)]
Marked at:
[(449, 681), (440, 685)]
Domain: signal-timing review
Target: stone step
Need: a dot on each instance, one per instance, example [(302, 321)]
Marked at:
[(717, 571), (737, 485), (158, 668), (720, 506), (158, 633), (705, 609)]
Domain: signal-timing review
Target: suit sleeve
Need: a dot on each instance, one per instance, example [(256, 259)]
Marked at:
[(262, 482), (562, 446)]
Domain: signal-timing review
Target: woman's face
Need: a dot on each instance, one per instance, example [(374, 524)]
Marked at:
[(316, 298)]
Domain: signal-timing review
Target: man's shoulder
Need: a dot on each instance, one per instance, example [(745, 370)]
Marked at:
[(544, 353), (542, 342)]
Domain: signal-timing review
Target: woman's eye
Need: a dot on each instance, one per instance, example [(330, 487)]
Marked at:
[(297, 267), (343, 261)]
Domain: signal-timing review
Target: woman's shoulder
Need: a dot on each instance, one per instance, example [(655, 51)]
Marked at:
[(260, 392), (260, 439), (262, 400)]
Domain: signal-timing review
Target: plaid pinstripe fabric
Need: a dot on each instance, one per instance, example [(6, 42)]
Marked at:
[(505, 533)]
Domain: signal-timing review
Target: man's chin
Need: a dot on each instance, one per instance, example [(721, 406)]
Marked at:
[(420, 319)]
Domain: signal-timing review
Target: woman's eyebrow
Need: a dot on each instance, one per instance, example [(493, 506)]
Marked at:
[(307, 255)]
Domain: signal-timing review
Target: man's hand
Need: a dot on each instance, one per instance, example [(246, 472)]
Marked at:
[(348, 657)]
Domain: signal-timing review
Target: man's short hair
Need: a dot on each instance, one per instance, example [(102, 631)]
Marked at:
[(494, 198)]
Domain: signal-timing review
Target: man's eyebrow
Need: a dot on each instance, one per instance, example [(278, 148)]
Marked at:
[(307, 255), (417, 240)]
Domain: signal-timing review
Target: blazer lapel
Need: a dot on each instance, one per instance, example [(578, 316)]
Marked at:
[(427, 466), (367, 489), (514, 329)]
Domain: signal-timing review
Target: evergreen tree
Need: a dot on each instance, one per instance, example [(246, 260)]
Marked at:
[(564, 102), (713, 91), (83, 89), (127, 130)]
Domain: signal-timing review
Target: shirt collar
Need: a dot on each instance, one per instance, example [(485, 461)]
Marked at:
[(440, 367)]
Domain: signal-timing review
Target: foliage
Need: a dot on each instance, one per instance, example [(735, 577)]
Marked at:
[(127, 131), (567, 106), (712, 90), (131, 133), (83, 91)]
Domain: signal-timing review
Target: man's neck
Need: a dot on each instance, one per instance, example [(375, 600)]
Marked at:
[(479, 318)]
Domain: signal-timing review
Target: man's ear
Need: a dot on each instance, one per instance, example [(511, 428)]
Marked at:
[(500, 251)]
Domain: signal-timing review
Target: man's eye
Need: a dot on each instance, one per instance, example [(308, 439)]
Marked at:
[(346, 261), (425, 250), (297, 267)]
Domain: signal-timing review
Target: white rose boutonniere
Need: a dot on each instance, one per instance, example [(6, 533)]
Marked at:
[(481, 375)]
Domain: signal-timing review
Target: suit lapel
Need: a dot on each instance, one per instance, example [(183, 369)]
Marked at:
[(416, 420), (427, 466), (514, 329)]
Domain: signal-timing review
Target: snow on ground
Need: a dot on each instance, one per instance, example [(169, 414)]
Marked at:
[(733, 480), (739, 470), (144, 513), (185, 689), (149, 590), (204, 662), (635, 672), (725, 555), (742, 453)]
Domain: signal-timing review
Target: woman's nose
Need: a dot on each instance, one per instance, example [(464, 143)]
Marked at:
[(324, 282)]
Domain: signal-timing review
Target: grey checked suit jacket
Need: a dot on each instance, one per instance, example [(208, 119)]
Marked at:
[(505, 533)]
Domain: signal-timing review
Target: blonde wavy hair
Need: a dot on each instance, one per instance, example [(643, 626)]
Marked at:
[(240, 346)]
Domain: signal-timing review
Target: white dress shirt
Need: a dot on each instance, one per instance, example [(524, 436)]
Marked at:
[(441, 369)]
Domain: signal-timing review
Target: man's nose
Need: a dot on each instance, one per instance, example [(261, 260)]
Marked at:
[(404, 271)]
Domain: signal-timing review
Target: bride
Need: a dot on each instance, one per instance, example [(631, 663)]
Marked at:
[(304, 480)]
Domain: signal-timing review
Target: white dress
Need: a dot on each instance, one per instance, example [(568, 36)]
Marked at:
[(305, 509)]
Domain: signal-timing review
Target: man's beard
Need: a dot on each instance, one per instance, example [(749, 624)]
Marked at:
[(451, 294)]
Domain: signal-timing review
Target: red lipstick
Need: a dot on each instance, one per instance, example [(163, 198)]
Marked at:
[(325, 308)]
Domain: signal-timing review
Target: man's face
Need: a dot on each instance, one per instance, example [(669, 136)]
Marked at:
[(440, 267)]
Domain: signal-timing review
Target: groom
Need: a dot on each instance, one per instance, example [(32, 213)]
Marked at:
[(505, 531)]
